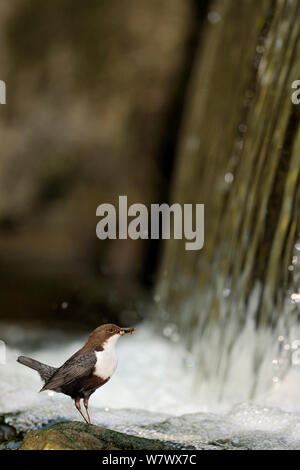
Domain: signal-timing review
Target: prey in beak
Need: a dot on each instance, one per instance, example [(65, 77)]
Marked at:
[(126, 330)]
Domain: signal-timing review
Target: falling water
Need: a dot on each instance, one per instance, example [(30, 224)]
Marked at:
[(235, 303), (227, 316)]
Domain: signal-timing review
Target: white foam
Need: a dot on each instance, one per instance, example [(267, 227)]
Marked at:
[(153, 374), (158, 377)]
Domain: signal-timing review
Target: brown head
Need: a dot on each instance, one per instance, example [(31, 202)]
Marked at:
[(100, 336)]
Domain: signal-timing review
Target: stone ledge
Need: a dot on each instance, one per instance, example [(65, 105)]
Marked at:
[(80, 436)]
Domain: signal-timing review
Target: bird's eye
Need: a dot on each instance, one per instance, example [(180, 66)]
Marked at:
[(111, 330)]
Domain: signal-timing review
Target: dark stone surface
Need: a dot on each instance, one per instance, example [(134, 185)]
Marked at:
[(81, 436), (7, 433)]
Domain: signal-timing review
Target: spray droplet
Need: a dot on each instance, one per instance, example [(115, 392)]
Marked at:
[(296, 344), (169, 330), (229, 178), (226, 292), (295, 298), (214, 17), (190, 361)]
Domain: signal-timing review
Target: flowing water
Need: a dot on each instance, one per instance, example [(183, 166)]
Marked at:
[(153, 393), (235, 303), (219, 364)]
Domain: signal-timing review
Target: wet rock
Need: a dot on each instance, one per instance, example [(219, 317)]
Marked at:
[(246, 426), (81, 436), (7, 433), (10, 439), (10, 445)]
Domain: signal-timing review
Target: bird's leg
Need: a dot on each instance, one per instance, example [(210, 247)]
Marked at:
[(86, 404), (77, 404)]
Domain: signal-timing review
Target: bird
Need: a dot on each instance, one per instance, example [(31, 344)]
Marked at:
[(87, 370)]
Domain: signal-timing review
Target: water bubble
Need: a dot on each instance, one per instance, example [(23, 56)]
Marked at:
[(287, 347), (157, 298), (297, 246), (296, 356), (295, 260), (169, 330), (275, 380), (64, 305), (275, 362), (295, 298), (214, 17), (291, 267), (226, 292), (229, 178), (280, 338), (190, 362)]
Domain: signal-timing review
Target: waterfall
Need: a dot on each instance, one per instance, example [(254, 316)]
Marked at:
[(234, 302)]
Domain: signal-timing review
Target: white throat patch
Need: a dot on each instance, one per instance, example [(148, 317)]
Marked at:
[(107, 359)]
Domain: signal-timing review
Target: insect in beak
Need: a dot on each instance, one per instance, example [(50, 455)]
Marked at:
[(126, 330)]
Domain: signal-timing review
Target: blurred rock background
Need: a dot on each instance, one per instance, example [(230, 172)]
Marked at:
[(94, 99)]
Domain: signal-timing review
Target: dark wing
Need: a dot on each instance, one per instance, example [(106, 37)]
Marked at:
[(78, 366)]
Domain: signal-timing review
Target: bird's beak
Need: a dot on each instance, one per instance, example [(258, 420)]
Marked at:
[(126, 330)]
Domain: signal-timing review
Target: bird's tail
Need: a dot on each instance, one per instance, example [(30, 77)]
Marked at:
[(45, 371)]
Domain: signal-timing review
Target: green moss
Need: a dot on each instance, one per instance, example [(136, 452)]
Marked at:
[(81, 436)]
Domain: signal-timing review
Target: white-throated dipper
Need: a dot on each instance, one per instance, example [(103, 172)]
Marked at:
[(88, 369)]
